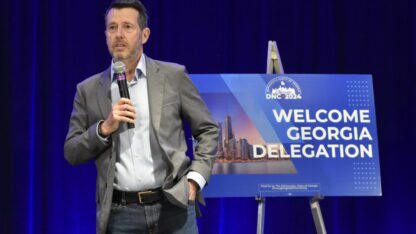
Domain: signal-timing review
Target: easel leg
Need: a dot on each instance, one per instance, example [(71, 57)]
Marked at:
[(317, 215), (261, 207)]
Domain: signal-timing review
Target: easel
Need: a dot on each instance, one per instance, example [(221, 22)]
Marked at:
[(274, 62), (274, 66)]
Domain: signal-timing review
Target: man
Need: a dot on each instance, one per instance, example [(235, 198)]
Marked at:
[(145, 182)]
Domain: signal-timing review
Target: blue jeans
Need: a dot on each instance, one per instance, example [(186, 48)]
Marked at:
[(160, 218)]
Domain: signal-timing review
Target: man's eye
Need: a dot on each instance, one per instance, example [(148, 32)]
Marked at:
[(128, 27)]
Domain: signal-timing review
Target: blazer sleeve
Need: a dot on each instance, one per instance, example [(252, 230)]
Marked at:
[(82, 141), (203, 128)]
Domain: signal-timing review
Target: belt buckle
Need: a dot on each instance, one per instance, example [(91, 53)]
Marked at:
[(143, 193)]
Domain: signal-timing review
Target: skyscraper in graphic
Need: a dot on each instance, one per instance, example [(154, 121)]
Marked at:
[(228, 128), (220, 147), (250, 151), (230, 143), (238, 151), (232, 149), (243, 149)]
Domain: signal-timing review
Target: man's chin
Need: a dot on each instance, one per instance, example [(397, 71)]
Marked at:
[(119, 56)]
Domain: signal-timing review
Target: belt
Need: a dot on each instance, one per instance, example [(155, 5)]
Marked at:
[(143, 197)]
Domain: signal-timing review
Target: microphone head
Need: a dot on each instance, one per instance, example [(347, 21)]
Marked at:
[(119, 67)]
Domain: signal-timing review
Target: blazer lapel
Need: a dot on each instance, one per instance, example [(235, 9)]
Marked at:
[(155, 87), (104, 94)]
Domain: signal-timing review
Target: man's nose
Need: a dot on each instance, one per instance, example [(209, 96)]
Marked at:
[(119, 32)]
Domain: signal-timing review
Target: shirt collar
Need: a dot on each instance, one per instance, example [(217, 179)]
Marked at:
[(140, 66)]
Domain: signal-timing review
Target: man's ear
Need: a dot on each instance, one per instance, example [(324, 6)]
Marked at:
[(145, 35)]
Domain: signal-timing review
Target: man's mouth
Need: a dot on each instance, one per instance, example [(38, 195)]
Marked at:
[(119, 45)]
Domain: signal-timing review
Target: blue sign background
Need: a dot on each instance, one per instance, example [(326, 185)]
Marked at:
[(314, 176)]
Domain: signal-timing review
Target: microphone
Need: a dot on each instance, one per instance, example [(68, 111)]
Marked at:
[(120, 75)]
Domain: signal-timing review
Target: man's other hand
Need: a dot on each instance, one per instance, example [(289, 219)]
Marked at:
[(193, 189)]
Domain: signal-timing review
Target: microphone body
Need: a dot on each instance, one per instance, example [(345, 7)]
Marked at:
[(120, 76)]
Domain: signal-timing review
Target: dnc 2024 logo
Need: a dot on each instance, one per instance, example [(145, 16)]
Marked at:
[(283, 87)]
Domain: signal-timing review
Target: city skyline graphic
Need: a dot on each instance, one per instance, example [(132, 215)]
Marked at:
[(237, 132)]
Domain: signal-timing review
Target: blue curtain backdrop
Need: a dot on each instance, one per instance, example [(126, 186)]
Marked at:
[(48, 46)]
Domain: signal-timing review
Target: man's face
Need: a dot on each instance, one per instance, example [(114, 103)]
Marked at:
[(124, 36)]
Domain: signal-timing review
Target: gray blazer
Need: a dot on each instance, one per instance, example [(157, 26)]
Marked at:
[(172, 99)]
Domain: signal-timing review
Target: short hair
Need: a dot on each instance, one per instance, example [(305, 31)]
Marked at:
[(135, 4)]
